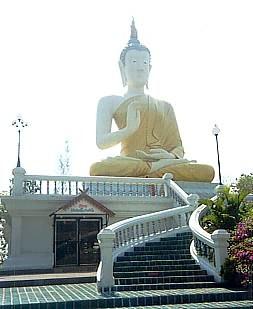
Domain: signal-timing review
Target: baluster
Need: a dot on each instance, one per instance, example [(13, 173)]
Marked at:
[(148, 228), (159, 226), (125, 237), (144, 191), (128, 235), (47, 186), (118, 189), (91, 188), (136, 234), (116, 240), (156, 227), (120, 238), (129, 189), (132, 233), (165, 224), (179, 220), (112, 188), (69, 187), (142, 230)]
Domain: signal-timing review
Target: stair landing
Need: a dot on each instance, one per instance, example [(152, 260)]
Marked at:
[(86, 296)]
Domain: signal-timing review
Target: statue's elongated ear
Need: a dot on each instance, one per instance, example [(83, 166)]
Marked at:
[(122, 73), (150, 66)]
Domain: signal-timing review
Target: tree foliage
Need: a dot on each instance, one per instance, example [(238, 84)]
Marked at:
[(64, 160), (245, 183), (226, 210)]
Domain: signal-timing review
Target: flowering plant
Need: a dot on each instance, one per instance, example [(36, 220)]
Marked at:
[(240, 250)]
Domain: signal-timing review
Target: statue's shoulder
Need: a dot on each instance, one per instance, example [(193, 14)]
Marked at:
[(165, 104), (110, 99), (110, 102)]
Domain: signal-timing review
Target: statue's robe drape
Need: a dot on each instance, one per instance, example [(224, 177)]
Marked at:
[(158, 129)]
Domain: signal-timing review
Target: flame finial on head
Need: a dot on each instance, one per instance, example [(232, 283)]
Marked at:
[(133, 43), (134, 35)]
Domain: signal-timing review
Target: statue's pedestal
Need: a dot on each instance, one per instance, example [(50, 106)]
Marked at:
[(203, 189), (32, 228)]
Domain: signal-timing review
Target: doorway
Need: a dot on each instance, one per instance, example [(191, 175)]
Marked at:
[(76, 241)]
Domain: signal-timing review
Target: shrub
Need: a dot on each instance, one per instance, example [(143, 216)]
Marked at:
[(238, 266), (225, 211)]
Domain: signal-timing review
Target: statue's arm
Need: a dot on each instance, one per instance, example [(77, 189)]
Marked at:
[(105, 138)]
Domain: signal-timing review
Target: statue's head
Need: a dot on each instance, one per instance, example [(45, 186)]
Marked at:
[(134, 61)]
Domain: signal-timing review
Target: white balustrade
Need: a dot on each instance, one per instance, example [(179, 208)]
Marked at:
[(209, 250), (97, 186), (136, 231)]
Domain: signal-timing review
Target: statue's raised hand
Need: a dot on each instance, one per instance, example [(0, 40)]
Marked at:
[(133, 116)]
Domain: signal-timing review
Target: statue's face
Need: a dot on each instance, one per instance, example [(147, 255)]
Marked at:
[(137, 67)]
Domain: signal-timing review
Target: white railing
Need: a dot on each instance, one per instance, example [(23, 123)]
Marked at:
[(121, 236), (97, 186), (209, 250)]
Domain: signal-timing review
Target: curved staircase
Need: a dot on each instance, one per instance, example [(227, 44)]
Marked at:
[(167, 265)]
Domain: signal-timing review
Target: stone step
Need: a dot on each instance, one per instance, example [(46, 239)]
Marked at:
[(176, 242), (164, 279), (46, 279), (188, 267), (163, 246), (212, 305), (166, 286), (182, 237), (156, 262), (154, 257), (148, 251), (159, 273), (85, 296)]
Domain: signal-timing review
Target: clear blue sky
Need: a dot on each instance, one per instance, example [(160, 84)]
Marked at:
[(57, 58)]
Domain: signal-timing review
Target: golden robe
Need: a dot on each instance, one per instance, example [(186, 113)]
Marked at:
[(158, 129)]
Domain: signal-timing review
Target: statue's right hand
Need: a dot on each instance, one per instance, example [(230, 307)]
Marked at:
[(133, 116)]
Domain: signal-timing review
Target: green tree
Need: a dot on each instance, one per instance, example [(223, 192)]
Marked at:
[(64, 168), (64, 160), (245, 183), (226, 210)]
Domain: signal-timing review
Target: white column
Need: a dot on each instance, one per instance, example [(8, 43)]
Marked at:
[(16, 225), (19, 173), (105, 280), (220, 238), (167, 178)]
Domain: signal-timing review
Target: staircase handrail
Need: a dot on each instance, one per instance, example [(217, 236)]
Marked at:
[(123, 235), (209, 250)]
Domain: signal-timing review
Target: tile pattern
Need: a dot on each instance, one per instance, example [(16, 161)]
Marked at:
[(69, 296), (223, 305)]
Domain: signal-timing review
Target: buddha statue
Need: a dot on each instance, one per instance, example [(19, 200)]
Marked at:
[(147, 128)]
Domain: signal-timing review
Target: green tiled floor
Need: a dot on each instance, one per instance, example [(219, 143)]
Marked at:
[(228, 305), (70, 293)]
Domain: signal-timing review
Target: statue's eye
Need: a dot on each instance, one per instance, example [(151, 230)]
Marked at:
[(134, 61), (145, 62)]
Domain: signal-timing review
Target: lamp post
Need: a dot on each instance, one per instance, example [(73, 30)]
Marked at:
[(19, 124), (215, 132)]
